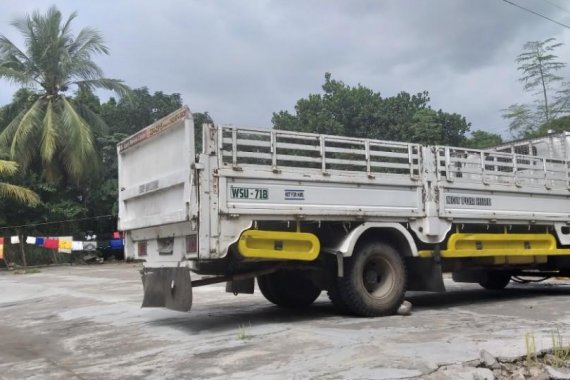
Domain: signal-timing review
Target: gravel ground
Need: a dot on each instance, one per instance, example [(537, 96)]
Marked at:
[(85, 322)]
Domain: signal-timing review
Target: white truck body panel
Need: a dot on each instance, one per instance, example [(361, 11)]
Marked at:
[(154, 175), (244, 175), (497, 186)]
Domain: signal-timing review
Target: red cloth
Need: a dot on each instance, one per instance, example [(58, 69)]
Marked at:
[(1, 240), (51, 243), (116, 235)]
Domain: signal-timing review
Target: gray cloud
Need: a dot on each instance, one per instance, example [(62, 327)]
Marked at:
[(241, 60)]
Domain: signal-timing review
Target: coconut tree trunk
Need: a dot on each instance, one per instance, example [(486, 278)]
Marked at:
[(23, 250)]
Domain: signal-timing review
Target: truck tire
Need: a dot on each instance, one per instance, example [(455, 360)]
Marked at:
[(337, 301), (495, 280), (374, 281), (263, 285), (288, 289)]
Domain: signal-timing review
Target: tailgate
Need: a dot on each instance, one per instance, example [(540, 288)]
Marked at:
[(154, 172)]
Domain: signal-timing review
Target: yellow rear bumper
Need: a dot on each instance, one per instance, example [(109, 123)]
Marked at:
[(279, 245)]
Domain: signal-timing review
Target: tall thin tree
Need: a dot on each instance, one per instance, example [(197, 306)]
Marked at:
[(539, 67)]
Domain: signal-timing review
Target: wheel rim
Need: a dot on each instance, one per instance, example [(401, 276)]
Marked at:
[(378, 277)]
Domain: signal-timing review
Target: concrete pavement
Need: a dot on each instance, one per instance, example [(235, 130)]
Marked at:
[(85, 322)]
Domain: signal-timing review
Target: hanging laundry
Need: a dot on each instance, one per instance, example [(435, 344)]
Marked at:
[(116, 235), (117, 244), (51, 243), (65, 244), (30, 240), (40, 241), (1, 240), (90, 245), (77, 246), (15, 239)]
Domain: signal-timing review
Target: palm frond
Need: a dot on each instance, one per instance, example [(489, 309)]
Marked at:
[(8, 133), (8, 168), (19, 194), (21, 142), (79, 153), (25, 27), (83, 69), (110, 84), (95, 121), (15, 65), (88, 41), (16, 76), (9, 50), (65, 29), (48, 144)]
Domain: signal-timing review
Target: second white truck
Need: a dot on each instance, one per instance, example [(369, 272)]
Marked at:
[(364, 220)]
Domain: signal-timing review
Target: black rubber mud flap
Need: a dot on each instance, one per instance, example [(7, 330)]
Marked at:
[(424, 275), (167, 287)]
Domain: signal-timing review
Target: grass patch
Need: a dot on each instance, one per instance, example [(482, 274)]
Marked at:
[(560, 352), (243, 333), (531, 357), (558, 355), (26, 271)]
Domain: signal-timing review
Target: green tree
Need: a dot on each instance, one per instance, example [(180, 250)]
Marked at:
[(424, 127), (9, 191), (199, 120), (58, 202), (139, 110), (561, 124), (430, 127), (483, 140), (539, 67), (55, 130), (123, 118), (361, 112)]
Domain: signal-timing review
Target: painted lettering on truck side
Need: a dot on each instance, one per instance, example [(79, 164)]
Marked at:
[(468, 201), (249, 193)]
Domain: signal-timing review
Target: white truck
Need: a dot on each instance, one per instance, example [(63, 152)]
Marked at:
[(364, 220)]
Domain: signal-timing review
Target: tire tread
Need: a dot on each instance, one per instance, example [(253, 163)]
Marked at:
[(354, 301)]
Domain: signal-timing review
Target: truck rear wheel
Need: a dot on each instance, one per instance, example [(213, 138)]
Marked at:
[(374, 281), (337, 301), (495, 280), (288, 289)]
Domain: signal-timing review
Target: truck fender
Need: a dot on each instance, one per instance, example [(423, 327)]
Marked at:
[(424, 275), (346, 246)]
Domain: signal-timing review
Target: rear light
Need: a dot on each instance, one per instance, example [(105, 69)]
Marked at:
[(142, 248), (191, 243)]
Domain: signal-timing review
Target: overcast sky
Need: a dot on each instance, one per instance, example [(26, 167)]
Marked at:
[(243, 60)]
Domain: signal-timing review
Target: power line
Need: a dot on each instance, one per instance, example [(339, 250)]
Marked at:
[(537, 14), (61, 221)]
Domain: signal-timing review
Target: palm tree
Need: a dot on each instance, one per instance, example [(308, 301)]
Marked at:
[(55, 130), (13, 192)]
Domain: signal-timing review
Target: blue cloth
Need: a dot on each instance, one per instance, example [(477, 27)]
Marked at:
[(40, 241), (116, 244)]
